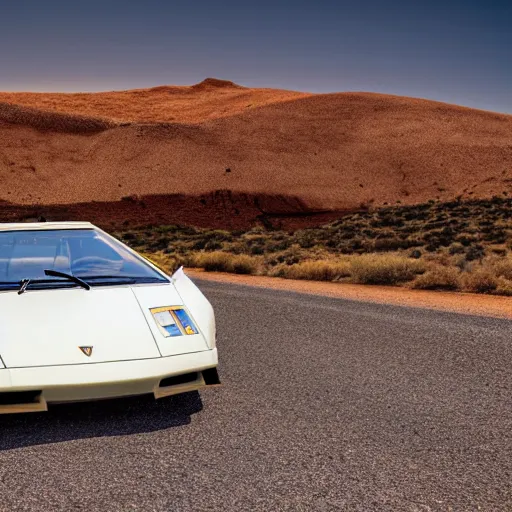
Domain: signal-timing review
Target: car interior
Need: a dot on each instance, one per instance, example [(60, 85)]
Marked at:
[(27, 254)]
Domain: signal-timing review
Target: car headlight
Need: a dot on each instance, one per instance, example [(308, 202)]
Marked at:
[(174, 321)]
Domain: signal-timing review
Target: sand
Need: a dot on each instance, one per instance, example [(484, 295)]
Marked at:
[(319, 152), (210, 99)]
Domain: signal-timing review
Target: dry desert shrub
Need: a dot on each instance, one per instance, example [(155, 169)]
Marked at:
[(291, 255), (504, 287), (166, 262), (218, 261), (338, 251), (438, 278), (244, 264), (503, 267), (387, 269), (480, 280), (438, 258), (321, 270)]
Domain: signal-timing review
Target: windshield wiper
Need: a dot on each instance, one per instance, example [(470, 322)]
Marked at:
[(71, 277), (23, 286), (127, 279), (109, 277)]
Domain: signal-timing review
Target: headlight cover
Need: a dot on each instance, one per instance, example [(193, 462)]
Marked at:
[(174, 321)]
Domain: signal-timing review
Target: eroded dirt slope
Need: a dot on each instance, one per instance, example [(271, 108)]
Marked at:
[(329, 151)]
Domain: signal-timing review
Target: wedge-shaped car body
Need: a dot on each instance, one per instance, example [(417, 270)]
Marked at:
[(84, 317)]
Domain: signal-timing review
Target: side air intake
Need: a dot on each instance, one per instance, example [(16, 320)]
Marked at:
[(187, 382), (22, 401)]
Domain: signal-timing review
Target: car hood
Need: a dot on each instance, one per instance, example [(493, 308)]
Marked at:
[(49, 327)]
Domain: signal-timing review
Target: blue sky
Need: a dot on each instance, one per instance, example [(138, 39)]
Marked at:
[(454, 51)]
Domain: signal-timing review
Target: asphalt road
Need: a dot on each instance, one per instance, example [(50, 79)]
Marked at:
[(327, 404)]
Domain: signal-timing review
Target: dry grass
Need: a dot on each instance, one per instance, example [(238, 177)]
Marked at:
[(455, 246), (166, 262), (244, 264), (502, 267), (389, 269), (319, 270), (504, 287), (214, 261), (438, 278), (480, 280), (488, 276), (219, 261)]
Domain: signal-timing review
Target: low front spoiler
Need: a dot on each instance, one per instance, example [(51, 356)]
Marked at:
[(31, 389)]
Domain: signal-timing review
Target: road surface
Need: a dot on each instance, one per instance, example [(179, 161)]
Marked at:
[(327, 404)]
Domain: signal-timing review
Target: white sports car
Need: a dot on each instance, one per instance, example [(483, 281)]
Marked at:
[(84, 317)]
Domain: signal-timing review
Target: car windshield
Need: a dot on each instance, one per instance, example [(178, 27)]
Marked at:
[(85, 253)]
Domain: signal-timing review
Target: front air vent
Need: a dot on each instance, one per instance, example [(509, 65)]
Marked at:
[(22, 401), (20, 397), (211, 377), (187, 382), (179, 379)]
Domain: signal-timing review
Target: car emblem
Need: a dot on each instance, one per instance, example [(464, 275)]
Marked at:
[(86, 350)]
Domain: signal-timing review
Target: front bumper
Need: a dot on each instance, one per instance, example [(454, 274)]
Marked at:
[(93, 381)]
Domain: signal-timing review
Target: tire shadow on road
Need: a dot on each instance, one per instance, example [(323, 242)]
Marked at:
[(119, 417)]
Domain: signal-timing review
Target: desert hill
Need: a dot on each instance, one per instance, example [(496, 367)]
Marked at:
[(293, 152), (209, 99)]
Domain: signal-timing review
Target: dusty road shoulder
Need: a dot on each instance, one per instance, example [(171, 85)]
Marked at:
[(465, 303)]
